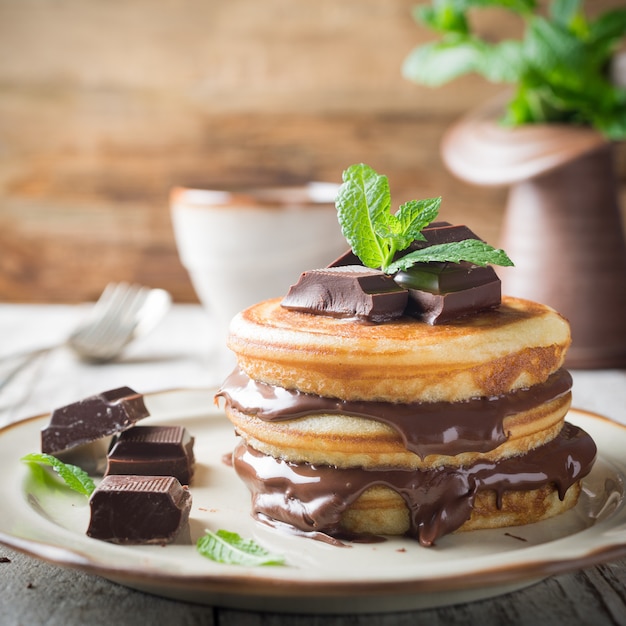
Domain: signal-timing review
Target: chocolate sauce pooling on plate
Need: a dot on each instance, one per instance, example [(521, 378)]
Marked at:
[(313, 498), (449, 428)]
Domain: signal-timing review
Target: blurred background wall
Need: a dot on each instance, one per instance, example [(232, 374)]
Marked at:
[(105, 105)]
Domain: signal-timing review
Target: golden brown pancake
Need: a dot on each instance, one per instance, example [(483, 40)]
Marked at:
[(517, 345), (348, 441)]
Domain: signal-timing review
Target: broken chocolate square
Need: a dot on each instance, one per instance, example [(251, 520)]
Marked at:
[(348, 291), (442, 292), (441, 308), (138, 509), (93, 418), (153, 451)]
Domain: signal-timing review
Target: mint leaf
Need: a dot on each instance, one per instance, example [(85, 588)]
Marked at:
[(565, 11), (413, 216), (230, 548), (74, 477), (363, 203), (609, 28), (470, 250), (439, 62), (501, 62), (443, 17)]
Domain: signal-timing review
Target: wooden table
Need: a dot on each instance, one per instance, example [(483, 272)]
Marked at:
[(177, 354)]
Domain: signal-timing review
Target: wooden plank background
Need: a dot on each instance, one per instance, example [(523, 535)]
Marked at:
[(106, 105)]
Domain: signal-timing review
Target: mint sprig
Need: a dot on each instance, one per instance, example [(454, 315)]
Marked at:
[(74, 477), (375, 234), (230, 548)]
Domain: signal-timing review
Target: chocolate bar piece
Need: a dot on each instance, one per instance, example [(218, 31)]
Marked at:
[(348, 291), (138, 509), (443, 232), (93, 418), (153, 451), (441, 308), (442, 292)]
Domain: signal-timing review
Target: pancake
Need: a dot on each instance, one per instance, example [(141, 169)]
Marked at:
[(405, 437), (425, 504), (349, 427), (515, 346)]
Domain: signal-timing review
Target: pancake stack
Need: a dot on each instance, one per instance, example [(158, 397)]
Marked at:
[(420, 402)]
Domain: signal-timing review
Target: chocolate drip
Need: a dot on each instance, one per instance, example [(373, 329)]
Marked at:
[(449, 428), (313, 498)]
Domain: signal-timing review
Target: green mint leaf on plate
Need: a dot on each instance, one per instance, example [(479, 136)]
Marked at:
[(230, 548), (376, 235), (74, 477), (470, 250)]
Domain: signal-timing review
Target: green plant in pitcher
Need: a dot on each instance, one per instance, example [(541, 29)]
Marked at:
[(560, 66)]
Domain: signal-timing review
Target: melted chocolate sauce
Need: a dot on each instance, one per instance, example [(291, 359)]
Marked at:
[(313, 498), (449, 428)]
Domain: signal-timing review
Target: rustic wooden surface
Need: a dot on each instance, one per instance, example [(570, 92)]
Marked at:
[(45, 594), (104, 106)]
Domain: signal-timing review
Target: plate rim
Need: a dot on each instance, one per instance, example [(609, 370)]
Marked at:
[(228, 583)]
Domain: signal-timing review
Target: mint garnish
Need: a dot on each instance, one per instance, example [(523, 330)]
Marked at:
[(376, 235), (74, 477), (230, 548)]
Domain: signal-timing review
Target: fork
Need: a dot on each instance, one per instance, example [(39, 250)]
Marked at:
[(121, 314)]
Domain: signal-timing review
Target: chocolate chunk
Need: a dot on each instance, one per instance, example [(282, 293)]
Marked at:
[(92, 418), (445, 277), (348, 291), (443, 232), (138, 509), (442, 292), (153, 451), (441, 308)]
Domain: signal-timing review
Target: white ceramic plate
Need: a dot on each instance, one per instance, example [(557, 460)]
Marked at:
[(395, 575)]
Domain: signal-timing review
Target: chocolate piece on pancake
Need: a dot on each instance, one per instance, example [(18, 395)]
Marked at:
[(348, 291)]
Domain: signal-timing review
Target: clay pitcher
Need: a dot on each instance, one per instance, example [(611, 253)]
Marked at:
[(562, 225), (564, 231)]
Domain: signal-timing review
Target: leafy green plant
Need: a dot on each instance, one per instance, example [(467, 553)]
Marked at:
[(560, 66)]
